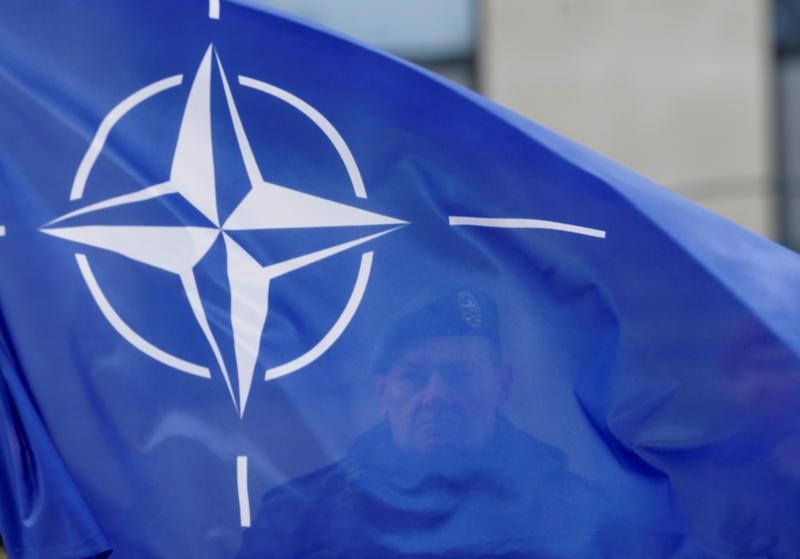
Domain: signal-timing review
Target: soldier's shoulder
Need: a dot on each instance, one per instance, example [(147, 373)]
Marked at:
[(299, 515), (316, 489)]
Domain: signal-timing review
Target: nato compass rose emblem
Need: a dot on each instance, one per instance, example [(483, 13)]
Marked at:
[(179, 249)]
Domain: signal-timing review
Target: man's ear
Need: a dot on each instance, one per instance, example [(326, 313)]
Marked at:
[(381, 390), (505, 379)]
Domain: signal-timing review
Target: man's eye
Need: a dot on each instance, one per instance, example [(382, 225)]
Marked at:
[(414, 377), (461, 374)]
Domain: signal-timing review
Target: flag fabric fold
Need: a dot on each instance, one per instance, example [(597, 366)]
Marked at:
[(43, 512)]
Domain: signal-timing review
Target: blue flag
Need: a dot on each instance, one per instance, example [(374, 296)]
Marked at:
[(265, 292)]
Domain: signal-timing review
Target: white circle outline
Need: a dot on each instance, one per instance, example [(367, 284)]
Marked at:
[(115, 320)]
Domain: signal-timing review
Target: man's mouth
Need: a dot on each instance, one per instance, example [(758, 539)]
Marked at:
[(446, 424)]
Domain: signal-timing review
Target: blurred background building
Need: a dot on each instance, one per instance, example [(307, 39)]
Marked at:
[(702, 96)]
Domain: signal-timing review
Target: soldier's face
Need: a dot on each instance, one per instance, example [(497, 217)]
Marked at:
[(443, 394)]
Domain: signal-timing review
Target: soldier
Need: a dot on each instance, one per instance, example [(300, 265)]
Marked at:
[(445, 473)]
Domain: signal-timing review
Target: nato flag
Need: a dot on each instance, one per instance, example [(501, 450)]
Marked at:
[(265, 292)]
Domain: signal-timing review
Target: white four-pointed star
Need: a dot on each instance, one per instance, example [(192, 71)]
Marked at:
[(178, 249)]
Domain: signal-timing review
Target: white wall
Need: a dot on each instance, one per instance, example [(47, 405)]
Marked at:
[(678, 90)]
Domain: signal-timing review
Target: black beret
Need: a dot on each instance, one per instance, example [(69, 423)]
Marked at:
[(450, 311)]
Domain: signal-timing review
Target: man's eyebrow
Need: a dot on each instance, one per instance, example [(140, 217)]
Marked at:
[(422, 365), (409, 363)]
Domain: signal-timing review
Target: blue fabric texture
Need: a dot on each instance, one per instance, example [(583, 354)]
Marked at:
[(267, 292)]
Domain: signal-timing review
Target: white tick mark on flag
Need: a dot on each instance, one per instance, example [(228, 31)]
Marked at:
[(213, 9), (244, 496), (515, 223), (2, 230)]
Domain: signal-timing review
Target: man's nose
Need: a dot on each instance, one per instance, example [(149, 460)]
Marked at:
[(437, 389)]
